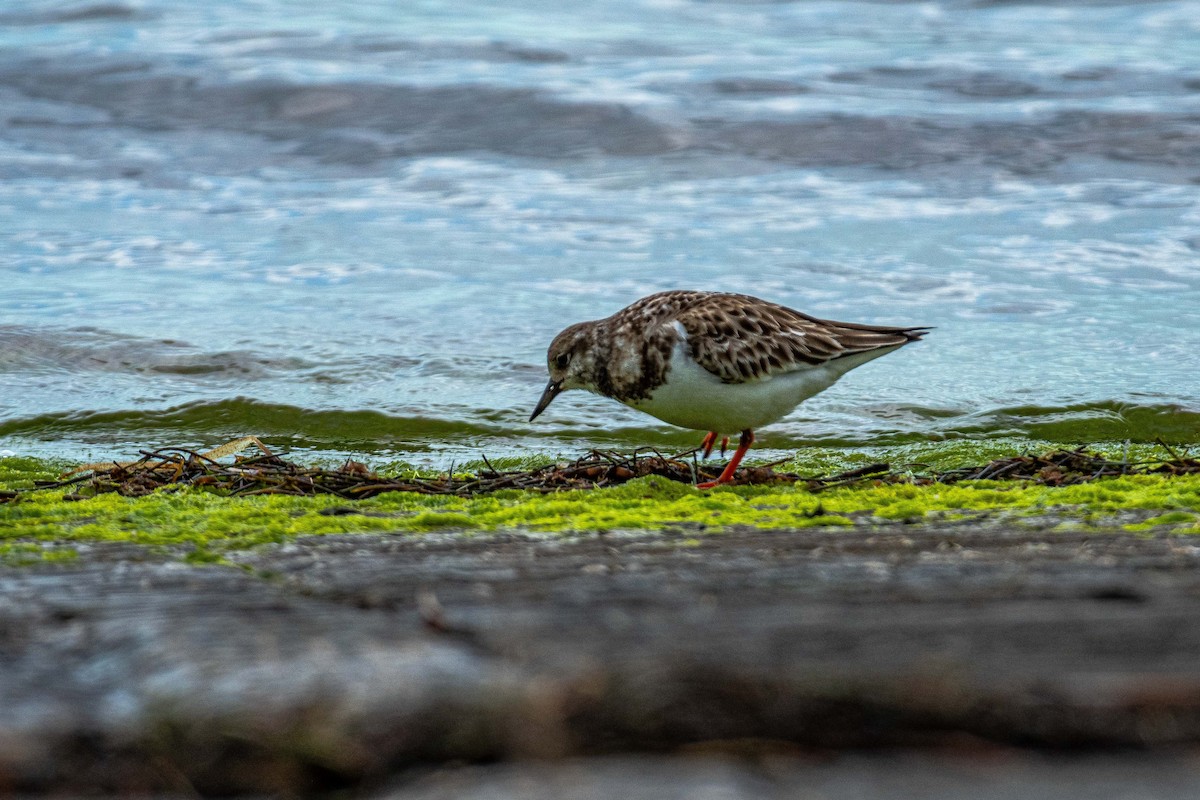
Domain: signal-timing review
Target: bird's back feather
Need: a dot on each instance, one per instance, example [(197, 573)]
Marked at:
[(740, 338)]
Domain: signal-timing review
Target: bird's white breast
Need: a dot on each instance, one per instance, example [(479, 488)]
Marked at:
[(693, 397)]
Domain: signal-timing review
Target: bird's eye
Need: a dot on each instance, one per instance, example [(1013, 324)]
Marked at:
[(562, 360)]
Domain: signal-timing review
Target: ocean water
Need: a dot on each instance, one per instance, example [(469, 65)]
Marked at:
[(353, 228)]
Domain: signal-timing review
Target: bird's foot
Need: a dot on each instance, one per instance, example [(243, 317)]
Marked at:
[(727, 473), (710, 441)]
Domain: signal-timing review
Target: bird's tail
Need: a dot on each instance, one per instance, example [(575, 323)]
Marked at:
[(855, 338)]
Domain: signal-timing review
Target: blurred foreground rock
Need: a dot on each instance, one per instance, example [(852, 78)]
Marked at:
[(753, 660)]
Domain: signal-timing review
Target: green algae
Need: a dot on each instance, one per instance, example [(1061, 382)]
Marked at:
[(1169, 518), (43, 526), (20, 473), (20, 554), (939, 456)]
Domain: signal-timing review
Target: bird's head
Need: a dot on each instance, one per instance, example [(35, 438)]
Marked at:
[(571, 361)]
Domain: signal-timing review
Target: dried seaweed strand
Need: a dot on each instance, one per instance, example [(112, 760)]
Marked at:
[(266, 473)]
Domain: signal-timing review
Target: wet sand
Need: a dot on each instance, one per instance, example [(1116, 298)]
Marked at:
[(904, 660)]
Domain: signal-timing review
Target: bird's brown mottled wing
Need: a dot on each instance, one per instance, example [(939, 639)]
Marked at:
[(740, 338)]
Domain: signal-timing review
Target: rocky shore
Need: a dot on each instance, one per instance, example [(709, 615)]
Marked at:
[(906, 659)]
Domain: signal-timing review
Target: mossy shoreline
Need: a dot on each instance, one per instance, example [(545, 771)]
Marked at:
[(43, 526), (319, 644)]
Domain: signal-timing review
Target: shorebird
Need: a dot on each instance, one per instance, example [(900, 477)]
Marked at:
[(712, 361)]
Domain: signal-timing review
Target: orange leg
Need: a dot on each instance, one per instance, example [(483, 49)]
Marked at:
[(727, 474), (710, 440)]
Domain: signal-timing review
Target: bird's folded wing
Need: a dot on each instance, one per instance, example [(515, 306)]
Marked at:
[(751, 341)]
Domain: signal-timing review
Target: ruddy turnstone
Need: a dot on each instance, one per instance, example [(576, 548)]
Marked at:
[(712, 361)]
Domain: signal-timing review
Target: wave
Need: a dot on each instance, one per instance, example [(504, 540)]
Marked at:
[(358, 123), (76, 350), (1027, 148), (96, 12), (330, 121), (1109, 421), (210, 422)]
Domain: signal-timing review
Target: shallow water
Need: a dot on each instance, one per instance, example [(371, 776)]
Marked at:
[(355, 227)]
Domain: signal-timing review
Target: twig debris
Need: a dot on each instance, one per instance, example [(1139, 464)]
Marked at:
[(266, 473)]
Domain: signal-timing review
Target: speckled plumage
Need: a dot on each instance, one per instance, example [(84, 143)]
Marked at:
[(712, 360)]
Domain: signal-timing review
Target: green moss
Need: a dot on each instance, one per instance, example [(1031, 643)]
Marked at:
[(203, 526), (925, 457), (1170, 518), (202, 555), (21, 554), (440, 519), (20, 473)]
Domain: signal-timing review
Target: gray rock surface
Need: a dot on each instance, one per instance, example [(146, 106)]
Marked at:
[(989, 775), (365, 661)]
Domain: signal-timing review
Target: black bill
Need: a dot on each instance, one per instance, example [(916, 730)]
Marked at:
[(552, 391)]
